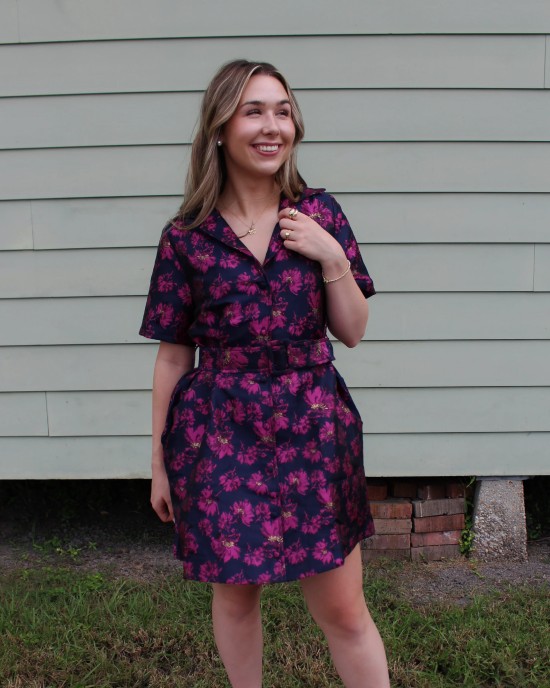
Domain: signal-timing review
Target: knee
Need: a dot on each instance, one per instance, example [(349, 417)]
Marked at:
[(235, 601), (348, 622)]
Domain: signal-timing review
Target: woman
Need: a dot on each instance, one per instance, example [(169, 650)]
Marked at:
[(257, 451)]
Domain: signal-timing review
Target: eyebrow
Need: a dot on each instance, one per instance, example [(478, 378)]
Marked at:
[(261, 102)]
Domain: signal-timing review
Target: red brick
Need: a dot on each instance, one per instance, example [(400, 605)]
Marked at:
[(433, 524), (391, 508), (405, 490), (431, 491), (438, 507), (395, 554), (455, 490), (377, 492), (446, 537), (399, 541), (435, 553), (389, 526)]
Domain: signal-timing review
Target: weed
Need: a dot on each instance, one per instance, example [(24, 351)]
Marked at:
[(55, 545), (467, 536)]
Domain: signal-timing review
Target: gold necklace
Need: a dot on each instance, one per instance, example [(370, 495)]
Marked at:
[(252, 225)]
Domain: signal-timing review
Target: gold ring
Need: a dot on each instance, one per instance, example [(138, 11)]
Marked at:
[(287, 234), (292, 213)]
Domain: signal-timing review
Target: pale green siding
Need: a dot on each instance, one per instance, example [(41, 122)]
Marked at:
[(311, 61), (372, 364), (388, 410), (542, 267), (392, 218), (427, 454), (396, 316), (51, 20), (431, 123), (361, 115), (22, 415), (427, 115), (414, 267), (350, 167)]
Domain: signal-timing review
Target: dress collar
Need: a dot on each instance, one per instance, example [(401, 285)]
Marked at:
[(214, 225)]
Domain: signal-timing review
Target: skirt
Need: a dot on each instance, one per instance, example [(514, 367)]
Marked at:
[(263, 448)]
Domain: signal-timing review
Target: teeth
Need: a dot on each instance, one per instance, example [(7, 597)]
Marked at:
[(267, 149)]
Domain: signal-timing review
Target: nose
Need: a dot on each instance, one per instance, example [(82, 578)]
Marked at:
[(270, 124)]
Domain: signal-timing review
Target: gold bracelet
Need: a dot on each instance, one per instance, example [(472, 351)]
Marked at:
[(326, 281)]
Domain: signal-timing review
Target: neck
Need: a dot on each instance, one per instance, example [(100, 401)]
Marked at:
[(249, 198)]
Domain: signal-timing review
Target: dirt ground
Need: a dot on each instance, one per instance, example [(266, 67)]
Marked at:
[(139, 548)]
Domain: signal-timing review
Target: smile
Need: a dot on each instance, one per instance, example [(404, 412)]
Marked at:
[(264, 148)]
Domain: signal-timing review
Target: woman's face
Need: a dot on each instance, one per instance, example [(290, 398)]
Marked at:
[(259, 137)]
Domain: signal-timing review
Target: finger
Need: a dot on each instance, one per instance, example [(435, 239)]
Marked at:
[(300, 222), (289, 213), (162, 510), (285, 223), (286, 235), (164, 515)]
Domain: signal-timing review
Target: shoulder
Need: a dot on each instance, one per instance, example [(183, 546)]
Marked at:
[(321, 207), (318, 198), (178, 230)]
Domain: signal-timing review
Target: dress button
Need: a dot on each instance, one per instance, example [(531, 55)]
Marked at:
[(276, 554)]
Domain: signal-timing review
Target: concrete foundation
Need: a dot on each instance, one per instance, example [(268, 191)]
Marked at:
[(499, 519)]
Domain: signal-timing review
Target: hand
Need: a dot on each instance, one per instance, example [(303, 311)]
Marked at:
[(160, 493), (309, 238)]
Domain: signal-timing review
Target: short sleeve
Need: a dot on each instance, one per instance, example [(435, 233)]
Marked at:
[(344, 234), (169, 310)]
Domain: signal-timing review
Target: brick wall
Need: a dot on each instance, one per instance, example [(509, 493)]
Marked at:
[(416, 519)]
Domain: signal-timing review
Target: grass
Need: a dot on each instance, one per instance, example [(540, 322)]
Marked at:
[(61, 628)]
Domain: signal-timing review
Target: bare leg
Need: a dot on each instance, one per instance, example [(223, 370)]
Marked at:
[(238, 632), (336, 602)]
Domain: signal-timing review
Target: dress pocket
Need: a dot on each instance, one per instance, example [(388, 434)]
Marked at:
[(343, 394), (182, 385)]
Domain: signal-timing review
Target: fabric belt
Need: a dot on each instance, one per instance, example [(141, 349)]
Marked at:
[(271, 356)]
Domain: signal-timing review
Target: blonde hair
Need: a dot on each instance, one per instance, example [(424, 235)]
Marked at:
[(206, 174)]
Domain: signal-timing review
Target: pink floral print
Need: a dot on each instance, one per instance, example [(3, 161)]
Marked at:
[(262, 443)]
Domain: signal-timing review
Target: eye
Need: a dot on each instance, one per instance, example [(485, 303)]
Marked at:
[(285, 112), (254, 111)]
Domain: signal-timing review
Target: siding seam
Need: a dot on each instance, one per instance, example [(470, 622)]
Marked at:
[(545, 51), (47, 414), (32, 225), (545, 55), (534, 264)]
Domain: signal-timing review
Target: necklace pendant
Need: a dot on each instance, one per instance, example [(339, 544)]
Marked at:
[(252, 229)]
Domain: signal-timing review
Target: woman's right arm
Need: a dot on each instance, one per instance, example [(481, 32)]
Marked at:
[(173, 360)]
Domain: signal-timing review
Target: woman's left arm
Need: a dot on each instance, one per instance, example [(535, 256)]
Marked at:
[(347, 308)]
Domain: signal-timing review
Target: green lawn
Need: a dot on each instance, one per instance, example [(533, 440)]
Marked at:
[(63, 628)]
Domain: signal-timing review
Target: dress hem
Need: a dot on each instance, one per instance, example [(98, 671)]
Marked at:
[(307, 574)]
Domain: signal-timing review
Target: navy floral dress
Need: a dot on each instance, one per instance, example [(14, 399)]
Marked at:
[(263, 444)]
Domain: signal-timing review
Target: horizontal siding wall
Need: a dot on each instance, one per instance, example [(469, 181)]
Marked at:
[(350, 167), (50, 20), (311, 61), (363, 115), (430, 121)]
